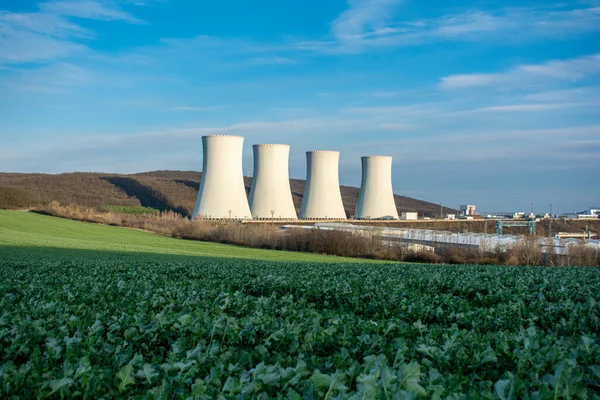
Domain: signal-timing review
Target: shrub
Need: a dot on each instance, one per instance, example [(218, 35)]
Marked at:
[(422, 257), (527, 251)]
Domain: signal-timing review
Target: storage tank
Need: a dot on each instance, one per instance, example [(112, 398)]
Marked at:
[(222, 193), (271, 195), (322, 197), (376, 199)]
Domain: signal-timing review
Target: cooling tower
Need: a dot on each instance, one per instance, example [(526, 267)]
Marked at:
[(271, 196), (322, 197), (376, 199), (222, 193)]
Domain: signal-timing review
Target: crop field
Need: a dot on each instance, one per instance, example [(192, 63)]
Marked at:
[(81, 321)]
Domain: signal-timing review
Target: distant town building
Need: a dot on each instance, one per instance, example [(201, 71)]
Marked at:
[(587, 216), (493, 216), (467, 210), (409, 216), (591, 213), (451, 216)]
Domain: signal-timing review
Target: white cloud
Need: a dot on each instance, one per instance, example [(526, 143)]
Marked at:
[(371, 24), (364, 18), (201, 109), (396, 126), (274, 60), (396, 111), (532, 107), (43, 23), (387, 94), (50, 34), (53, 78), (570, 70), (19, 46), (30, 37), (521, 108), (90, 9), (578, 94), (467, 24)]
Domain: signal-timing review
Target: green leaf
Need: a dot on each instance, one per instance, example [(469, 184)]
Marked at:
[(410, 377), (147, 372), (199, 387), (125, 377), (501, 387), (320, 380), (232, 386), (58, 384), (388, 380), (567, 380), (435, 388), (333, 383), (367, 387), (596, 370)]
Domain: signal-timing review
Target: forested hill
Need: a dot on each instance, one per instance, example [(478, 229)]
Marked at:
[(163, 190)]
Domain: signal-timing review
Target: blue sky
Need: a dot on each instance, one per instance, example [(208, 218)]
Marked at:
[(494, 103)]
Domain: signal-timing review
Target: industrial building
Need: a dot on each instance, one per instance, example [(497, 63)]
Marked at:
[(271, 196), (222, 193), (322, 197), (376, 199), (433, 238), (410, 216), (467, 210)]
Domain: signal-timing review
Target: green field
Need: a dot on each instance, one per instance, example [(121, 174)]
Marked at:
[(89, 311), (19, 230)]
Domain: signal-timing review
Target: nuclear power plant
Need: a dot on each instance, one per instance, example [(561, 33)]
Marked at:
[(222, 192), (271, 195), (322, 197), (376, 199)]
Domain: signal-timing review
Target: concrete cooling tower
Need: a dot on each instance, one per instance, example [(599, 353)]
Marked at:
[(322, 197), (271, 195), (376, 199), (222, 193)]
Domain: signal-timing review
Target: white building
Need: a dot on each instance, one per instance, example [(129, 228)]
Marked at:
[(322, 196), (222, 193), (409, 216), (376, 199), (271, 195), (586, 216), (467, 209)]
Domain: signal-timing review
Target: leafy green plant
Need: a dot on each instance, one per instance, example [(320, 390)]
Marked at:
[(106, 325)]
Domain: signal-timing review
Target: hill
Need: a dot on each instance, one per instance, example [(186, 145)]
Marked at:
[(163, 190)]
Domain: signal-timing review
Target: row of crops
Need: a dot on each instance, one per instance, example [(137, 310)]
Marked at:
[(116, 327)]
